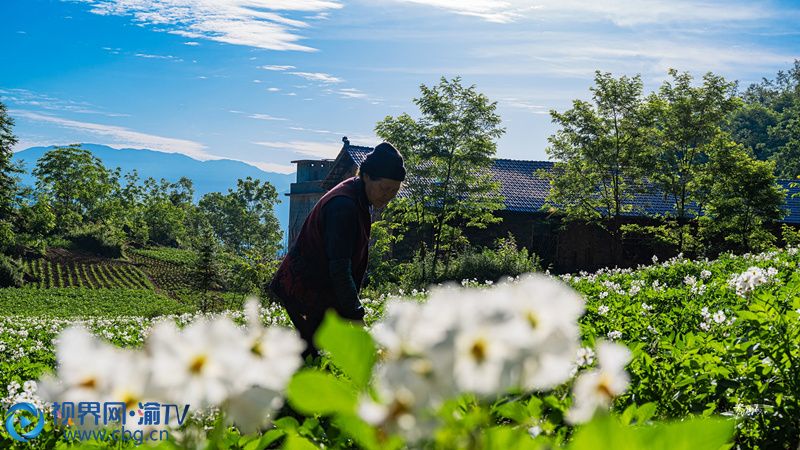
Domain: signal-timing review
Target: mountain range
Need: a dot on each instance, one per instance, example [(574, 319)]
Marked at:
[(217, 175)]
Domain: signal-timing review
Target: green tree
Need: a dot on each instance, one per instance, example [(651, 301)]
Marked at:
[(8, 178), (769, 124), (741, 197), (687, 121), (600, 154), (449, 152), (244, 219), (76, 182), (165, 208), (206, 273)]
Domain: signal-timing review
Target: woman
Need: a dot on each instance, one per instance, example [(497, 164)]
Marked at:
[(325, 266)]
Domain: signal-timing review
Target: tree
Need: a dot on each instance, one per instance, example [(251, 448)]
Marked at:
[(741, 197), (768, 124), (449, 152), (206, 273), (8, 178), (600, 153), (76, 181), (686, 127), (166, 207), (244, 219)]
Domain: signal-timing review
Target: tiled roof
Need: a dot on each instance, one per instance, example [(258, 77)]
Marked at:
[(524, 191), (792, 202)]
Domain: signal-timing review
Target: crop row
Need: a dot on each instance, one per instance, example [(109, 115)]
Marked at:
[(168, 276), (43, 273)]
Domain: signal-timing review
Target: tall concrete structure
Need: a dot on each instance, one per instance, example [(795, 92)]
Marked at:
[(305, 192)]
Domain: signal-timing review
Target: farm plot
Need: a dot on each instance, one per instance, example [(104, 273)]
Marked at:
[(43, 273)]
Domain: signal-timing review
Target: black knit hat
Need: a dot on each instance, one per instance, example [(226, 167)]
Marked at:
[(384, 162)]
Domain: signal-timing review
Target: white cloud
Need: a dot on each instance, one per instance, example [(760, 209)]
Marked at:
[(254, 23), (256, 81), (578, 54), (273, 89), (151, 56), (24, 97), (273, 167), (513, 102), (257, 116), (315, 131), (265, 117), (306, 148), (276, 68), (351, 93), (124, 136), (191, 43), (318, 76), (622, 13)]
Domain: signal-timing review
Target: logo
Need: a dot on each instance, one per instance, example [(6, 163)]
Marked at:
[(24, 422)]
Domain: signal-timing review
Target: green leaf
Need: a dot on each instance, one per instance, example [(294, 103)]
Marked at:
[(360, 431), (351, 348), (287, 423), (513, 410), (646, 412), (314, 392), (502, 438), (694, 434), (295, 442)]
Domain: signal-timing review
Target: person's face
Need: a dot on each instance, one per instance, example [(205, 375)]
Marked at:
[(380, 192)]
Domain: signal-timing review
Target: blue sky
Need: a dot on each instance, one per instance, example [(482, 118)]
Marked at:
[(270, 81)]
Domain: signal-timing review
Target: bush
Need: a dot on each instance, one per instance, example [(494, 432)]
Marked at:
[(98, 240), (11, 272), (505, 259), (489, 264)]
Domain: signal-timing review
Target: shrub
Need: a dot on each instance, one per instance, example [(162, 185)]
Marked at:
[(98, 240), (505, 259), (11, 272)]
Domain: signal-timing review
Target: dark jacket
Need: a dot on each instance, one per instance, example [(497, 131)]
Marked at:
[(303, 279)]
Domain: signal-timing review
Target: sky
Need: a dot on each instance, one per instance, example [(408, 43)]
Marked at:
[(272, 81)]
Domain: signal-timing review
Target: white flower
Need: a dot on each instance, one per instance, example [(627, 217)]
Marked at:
[(534, 431), (749, 280), (602, 310), (274, 353), (719, 317), (399, 414), (85, 366), (646, 307), (705, 274), (585, 357), (252, 408), (655, 259), (689, 280), (597, 388), (603, 294), (614, 335), (482, 360), (199, 364)]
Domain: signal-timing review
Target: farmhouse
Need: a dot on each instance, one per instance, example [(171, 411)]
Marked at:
[(566, 247)]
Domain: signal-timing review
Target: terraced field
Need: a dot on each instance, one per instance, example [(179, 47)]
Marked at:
[(168, 270), (44, 273)]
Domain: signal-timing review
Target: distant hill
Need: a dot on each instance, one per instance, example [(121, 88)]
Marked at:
[(208, 176)]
